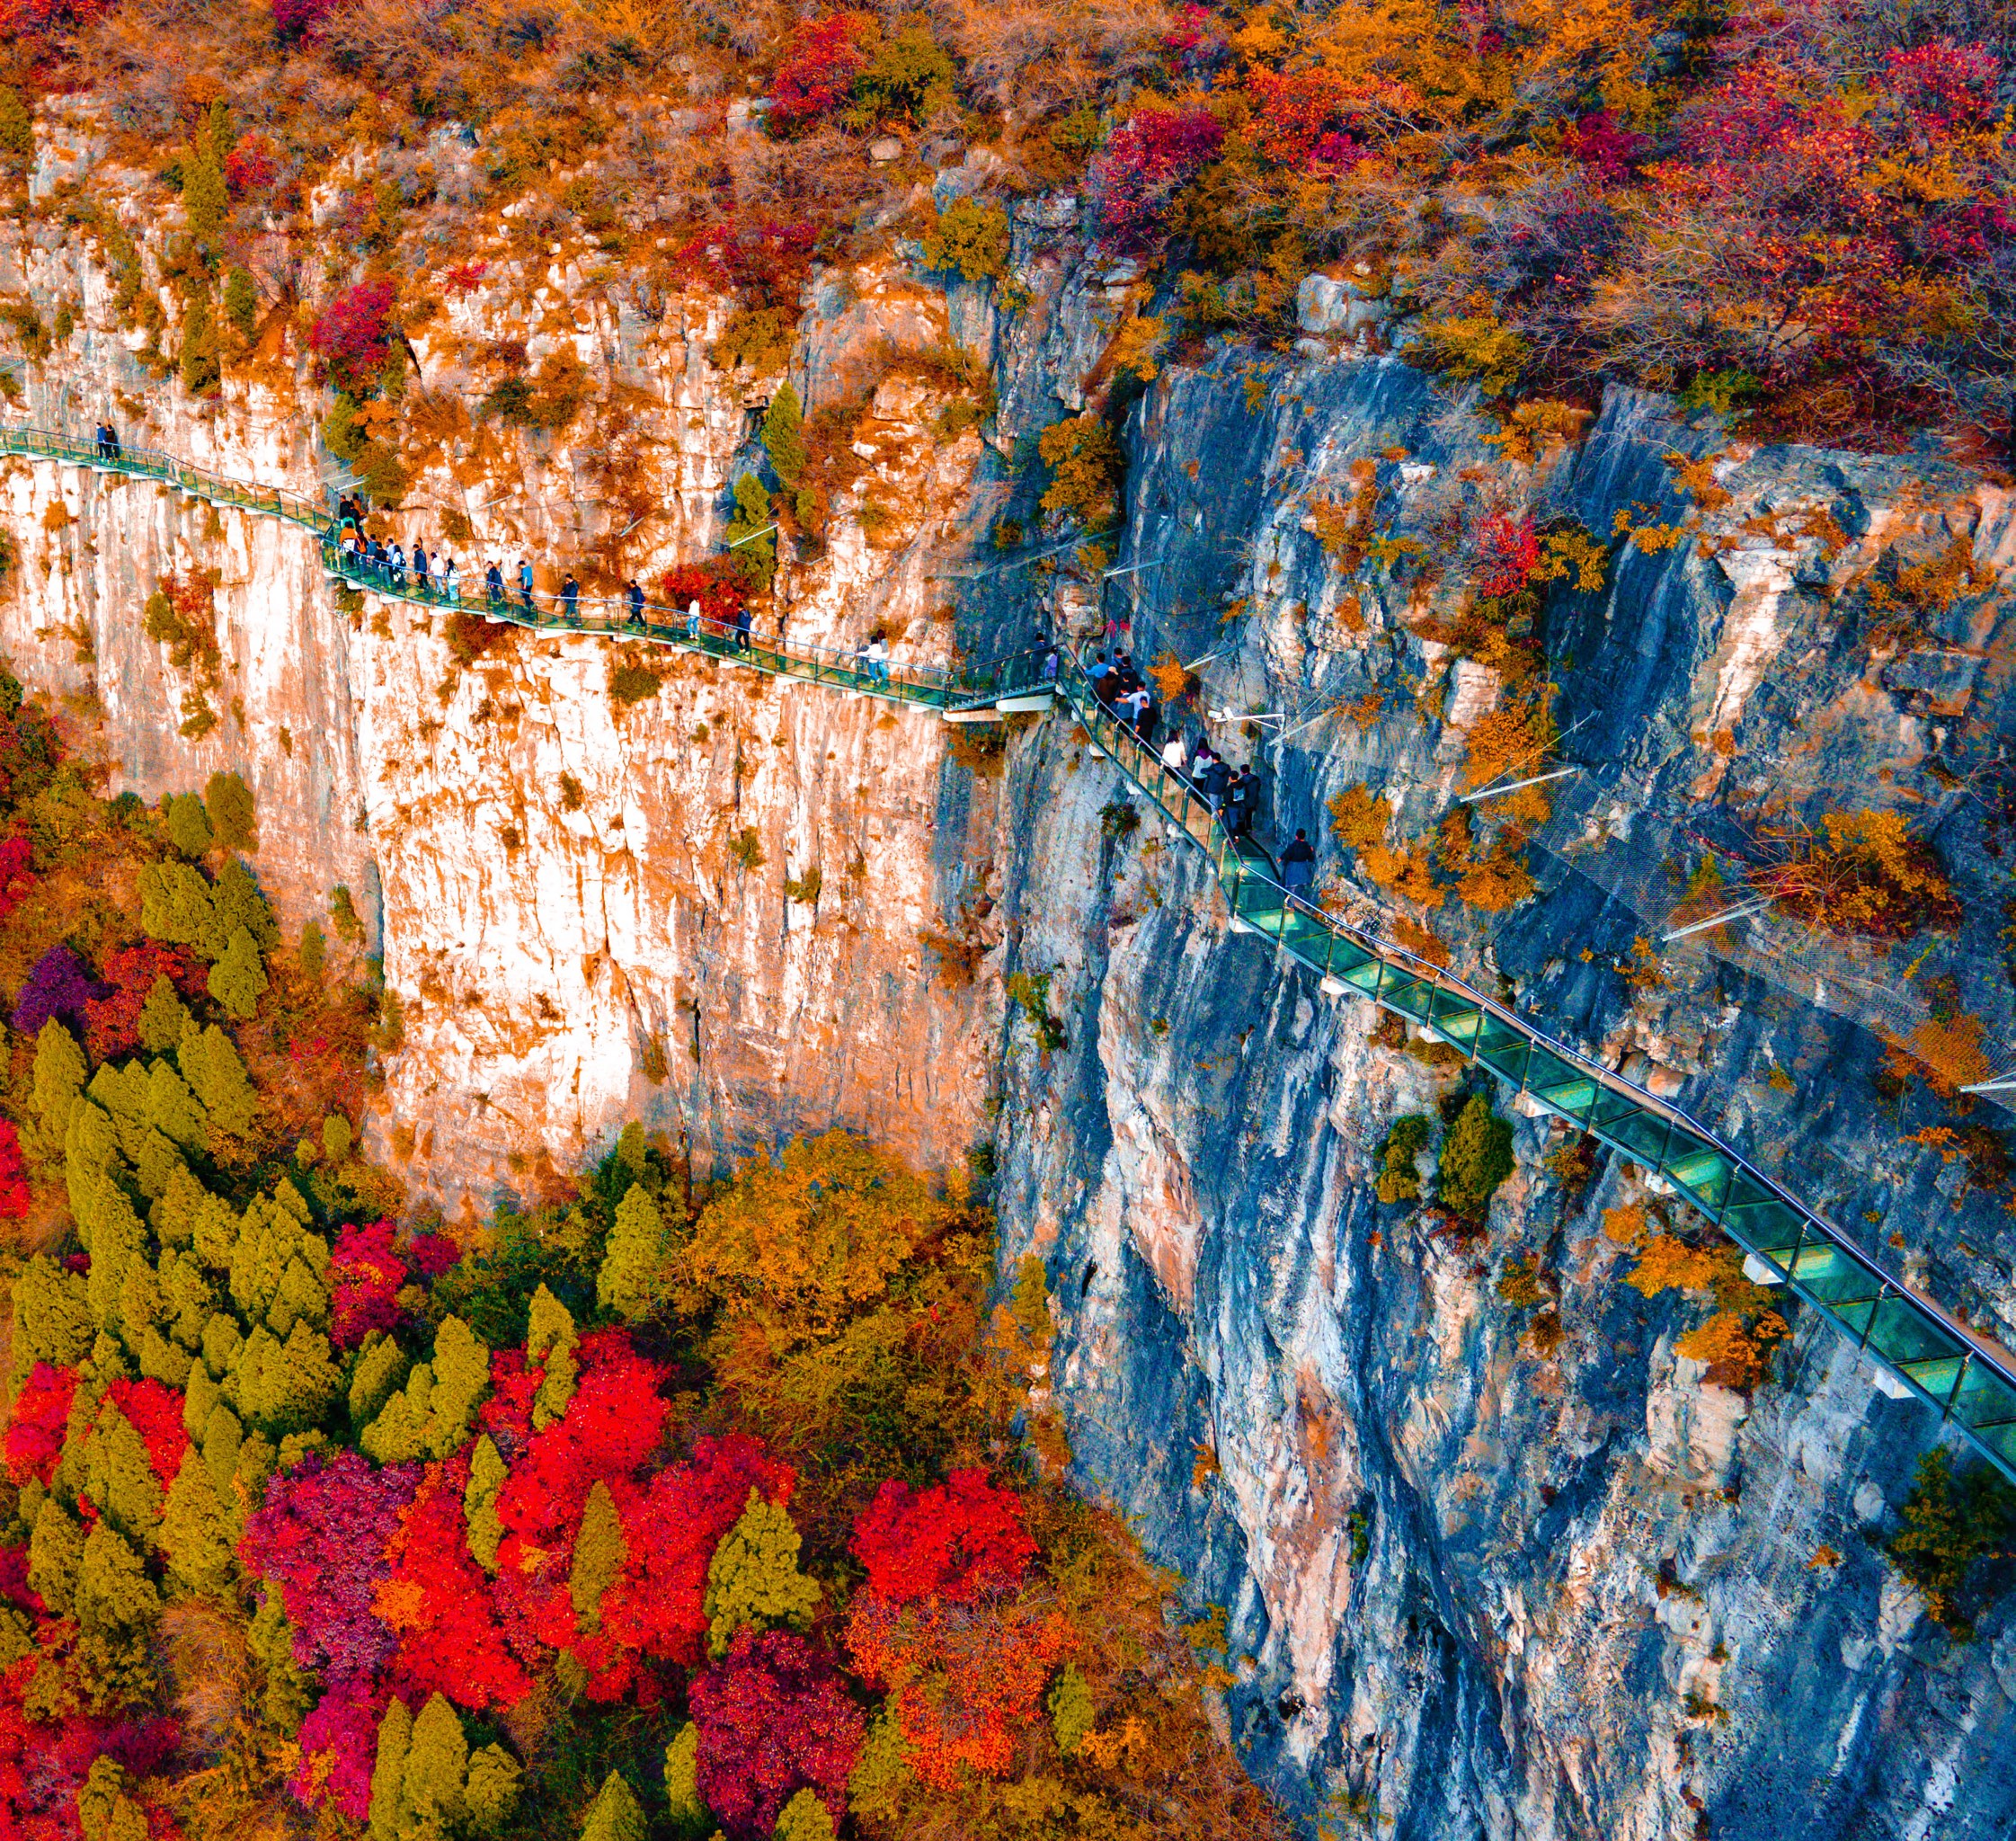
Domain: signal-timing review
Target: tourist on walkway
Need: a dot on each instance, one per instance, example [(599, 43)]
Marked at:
[(634, 595), (741, 627), (494, 583), (397, 558), (1100, 671), (525, 583), (1298, 866), (693, 619), (451, 581), (112, 442), (570, 598), (423, 580), (104, 440), (876, 657), (1173, 755), (1212, 782), (1242, 796), (1050, 666)]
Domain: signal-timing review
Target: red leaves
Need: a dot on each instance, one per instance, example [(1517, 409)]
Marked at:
[(1943, 85), (772, 1720), (820, 65), (1153, 153), (249, 167), (15, 880), (956, 1541), (718, 587), (154, 1412), (354, 336), (1603, 146), (364, 1275), (111, 1023), (438, 1599), (1508, 553), (35, 1428), (466, 278), (1292, 113), (14, 1195), (656, 1607)]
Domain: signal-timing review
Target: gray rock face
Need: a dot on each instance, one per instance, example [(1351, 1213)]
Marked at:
[(1474, 1590)]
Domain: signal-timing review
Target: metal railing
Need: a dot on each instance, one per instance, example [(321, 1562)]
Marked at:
[(1969, 1378)]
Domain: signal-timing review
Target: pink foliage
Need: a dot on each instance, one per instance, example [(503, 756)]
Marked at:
[(772, 1720), (1603, 146), (353, 335), (297, 19), (16, 881), (364, 1275), (1151, 155)]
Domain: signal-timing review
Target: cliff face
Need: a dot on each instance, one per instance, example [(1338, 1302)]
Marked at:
[(1472, 1590)]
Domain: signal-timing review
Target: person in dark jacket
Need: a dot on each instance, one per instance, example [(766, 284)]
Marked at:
[(423, 579), (1298, 866), (1213, 783), (633, 598), (741, 628), (1242, 796), (570, 598), (494, 583)]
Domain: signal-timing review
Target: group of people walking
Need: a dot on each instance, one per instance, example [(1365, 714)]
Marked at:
[(1231, 793), (108, 441)]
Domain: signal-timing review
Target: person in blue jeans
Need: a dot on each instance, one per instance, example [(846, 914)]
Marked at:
[(525, 583), (570, 598)]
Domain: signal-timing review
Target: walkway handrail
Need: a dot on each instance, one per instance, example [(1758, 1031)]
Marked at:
[(1969, 1378)]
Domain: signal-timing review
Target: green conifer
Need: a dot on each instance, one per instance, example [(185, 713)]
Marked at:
[(753, 1577), (210, 1065), (52, 1320), (388, 1772), (750, 540), (195, 1533), (17, 132), (430, 1416), (314, 952), (240, 307), (120, 1480), (288, 1692), (599, 1553), (285, 1387), (1071, 1713), (55, 1557), (222, 1344), (614, 1815), (479, 1502), (437, 1764), (105, 1812), (177, 908), (878, 1786), (188, 825), (223, 1441), (205, 196), (491, 1793), (117, 1609), (804, 1818), (682, 1776), (239, 903), (344, 916), (163, 1018), (238, 979), (227, 796), (629, 1280), (783, 436), (549, 1344), (59, 1076), (381, 1368)]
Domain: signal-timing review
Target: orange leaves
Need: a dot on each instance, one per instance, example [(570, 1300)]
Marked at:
[(963, 1680), (1667, 1264)]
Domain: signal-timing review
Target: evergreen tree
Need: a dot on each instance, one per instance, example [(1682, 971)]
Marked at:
[(479, 1502), (285, 1387), (313, 953), (173, 1110), (210, 1065), (55, 1557), (163, 1019), (629, 1279), (117, 1609), (1071, 1713), (344, 915), (200, 362), (17, 132), (436, 1763), (119, 1478), (195, 1533), (188, 825), (599, 1553), (549, 1345), (52, 1319), (756, 553), (59, 1075), (238, 979), (614, 1815), (388, 1773), (205, 196), (288, 1692), (223, 1441), (225, 796), (804, 1818), (105, 1812), (491, 1792), (682, 1776), (753, 1577), (381, 1368), (240, 307), (177, 908), (783, 436), (430, 1416), (239, 903)]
